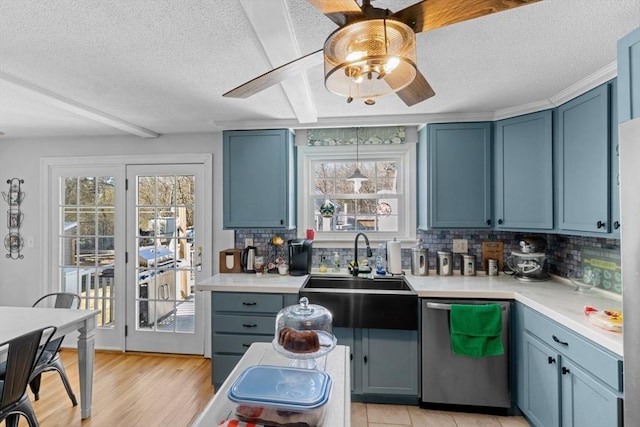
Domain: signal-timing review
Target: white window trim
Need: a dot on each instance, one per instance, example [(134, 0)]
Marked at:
[(308, 154)]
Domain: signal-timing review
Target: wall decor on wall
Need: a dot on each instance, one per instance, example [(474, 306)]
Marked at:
[(13, 241)]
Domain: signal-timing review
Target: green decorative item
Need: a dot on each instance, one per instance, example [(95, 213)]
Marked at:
[(327, 209)]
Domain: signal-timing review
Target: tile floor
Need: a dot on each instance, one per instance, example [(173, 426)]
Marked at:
[(378, 415)]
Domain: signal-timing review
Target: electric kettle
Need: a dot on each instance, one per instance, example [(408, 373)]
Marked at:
[(248, 259)]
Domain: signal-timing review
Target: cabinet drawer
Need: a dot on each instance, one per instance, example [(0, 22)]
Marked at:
[(599, 362), (222, 365), (244, 324), (247, 302), (238, 344)]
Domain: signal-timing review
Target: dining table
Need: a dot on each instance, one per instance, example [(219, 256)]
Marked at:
[(16, 321)]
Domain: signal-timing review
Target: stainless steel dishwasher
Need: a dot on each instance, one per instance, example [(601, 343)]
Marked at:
[(449, 379)]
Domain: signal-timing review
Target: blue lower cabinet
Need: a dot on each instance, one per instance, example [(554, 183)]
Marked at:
[(238, 319), (384, 364), (585, 401), (562, 378)]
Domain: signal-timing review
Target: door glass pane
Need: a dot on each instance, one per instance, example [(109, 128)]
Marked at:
[(86, 240), (165, 268)]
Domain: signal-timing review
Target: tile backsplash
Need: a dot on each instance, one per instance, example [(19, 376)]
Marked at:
[(563, 251)]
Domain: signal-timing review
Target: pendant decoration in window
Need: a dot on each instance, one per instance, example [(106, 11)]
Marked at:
[(384, 209), (327, 209)]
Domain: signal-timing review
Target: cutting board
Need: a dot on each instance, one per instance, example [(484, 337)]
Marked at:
[(492, 250)]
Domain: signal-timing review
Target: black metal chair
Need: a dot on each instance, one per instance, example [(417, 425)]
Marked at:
[(21, 354), (50, 359)]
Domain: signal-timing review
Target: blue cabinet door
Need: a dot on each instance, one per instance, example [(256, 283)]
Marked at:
[(586, 402), (615, 163), (258, 183), (459, 175), (542, 397), (629, 76), (583, 162), (345, 336), (390, 362), (523, 173)]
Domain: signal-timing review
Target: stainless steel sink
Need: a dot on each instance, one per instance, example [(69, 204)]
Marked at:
[(381, 303)]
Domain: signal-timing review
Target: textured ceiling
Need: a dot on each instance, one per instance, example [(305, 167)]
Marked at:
[(163, 65)]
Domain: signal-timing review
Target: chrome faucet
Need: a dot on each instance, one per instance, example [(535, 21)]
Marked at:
[(355, 270)]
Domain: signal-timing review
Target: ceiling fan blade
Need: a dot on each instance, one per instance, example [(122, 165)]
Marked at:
[(431, 14), (276, 75), (339, 11), (417, 91)]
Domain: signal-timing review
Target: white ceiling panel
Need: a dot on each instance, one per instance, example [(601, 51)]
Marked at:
[(163, 65)]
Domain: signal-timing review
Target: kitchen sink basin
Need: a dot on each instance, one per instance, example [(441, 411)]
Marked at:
[(355, 284), (354, 302)]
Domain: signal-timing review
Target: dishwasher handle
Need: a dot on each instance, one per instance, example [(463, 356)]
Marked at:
[(442, 306)]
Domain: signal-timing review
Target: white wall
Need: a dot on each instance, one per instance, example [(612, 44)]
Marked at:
[(20, 158)]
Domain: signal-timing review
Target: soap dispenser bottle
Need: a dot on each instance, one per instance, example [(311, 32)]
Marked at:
[(336, 262)]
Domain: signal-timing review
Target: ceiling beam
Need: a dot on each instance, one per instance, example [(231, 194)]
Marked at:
[(272, 24), (82, 110)]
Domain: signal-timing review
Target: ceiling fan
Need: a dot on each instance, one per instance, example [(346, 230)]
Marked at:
[(373, 52)]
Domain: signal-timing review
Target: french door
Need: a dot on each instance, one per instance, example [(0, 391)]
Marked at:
[(165, 217), (129, 239)]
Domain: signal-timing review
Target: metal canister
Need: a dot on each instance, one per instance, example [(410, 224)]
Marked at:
[(444, 264), (492, 267), (420, 262), (468, 265)]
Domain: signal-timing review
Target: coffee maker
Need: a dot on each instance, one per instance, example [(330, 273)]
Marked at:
[(299, 256)]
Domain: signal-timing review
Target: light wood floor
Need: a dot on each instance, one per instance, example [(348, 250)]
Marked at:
[(148, 390)]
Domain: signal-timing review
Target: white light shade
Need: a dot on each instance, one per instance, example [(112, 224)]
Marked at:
[(359, 56)]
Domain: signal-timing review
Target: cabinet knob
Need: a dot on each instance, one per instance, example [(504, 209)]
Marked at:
[(488, 222), (601, 224), (616, 224), (500, 221), (565, 371), (365, 359), (282, 222), (551, 360)]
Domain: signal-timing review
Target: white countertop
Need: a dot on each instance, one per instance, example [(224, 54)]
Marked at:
[(338, 410), (556, 298)]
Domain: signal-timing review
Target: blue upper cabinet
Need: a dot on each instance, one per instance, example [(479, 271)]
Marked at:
[(258, 182), (523, 154), (459, 175), (583, 150), (629, 76)]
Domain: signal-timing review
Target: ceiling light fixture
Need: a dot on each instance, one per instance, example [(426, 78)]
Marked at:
[(357, 177), (370, 58)]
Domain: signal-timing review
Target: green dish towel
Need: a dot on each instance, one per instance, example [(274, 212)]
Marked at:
[(476, 330)]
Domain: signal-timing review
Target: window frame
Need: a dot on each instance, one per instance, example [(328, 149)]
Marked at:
[(404, 154)]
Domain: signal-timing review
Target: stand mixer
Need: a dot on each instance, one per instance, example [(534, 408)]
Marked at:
[(527, 264)]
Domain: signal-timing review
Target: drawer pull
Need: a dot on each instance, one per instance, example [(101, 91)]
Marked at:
[(249, 303), (565, 371), (249, 325), (551, 360), (246, 345), (556, 339)]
